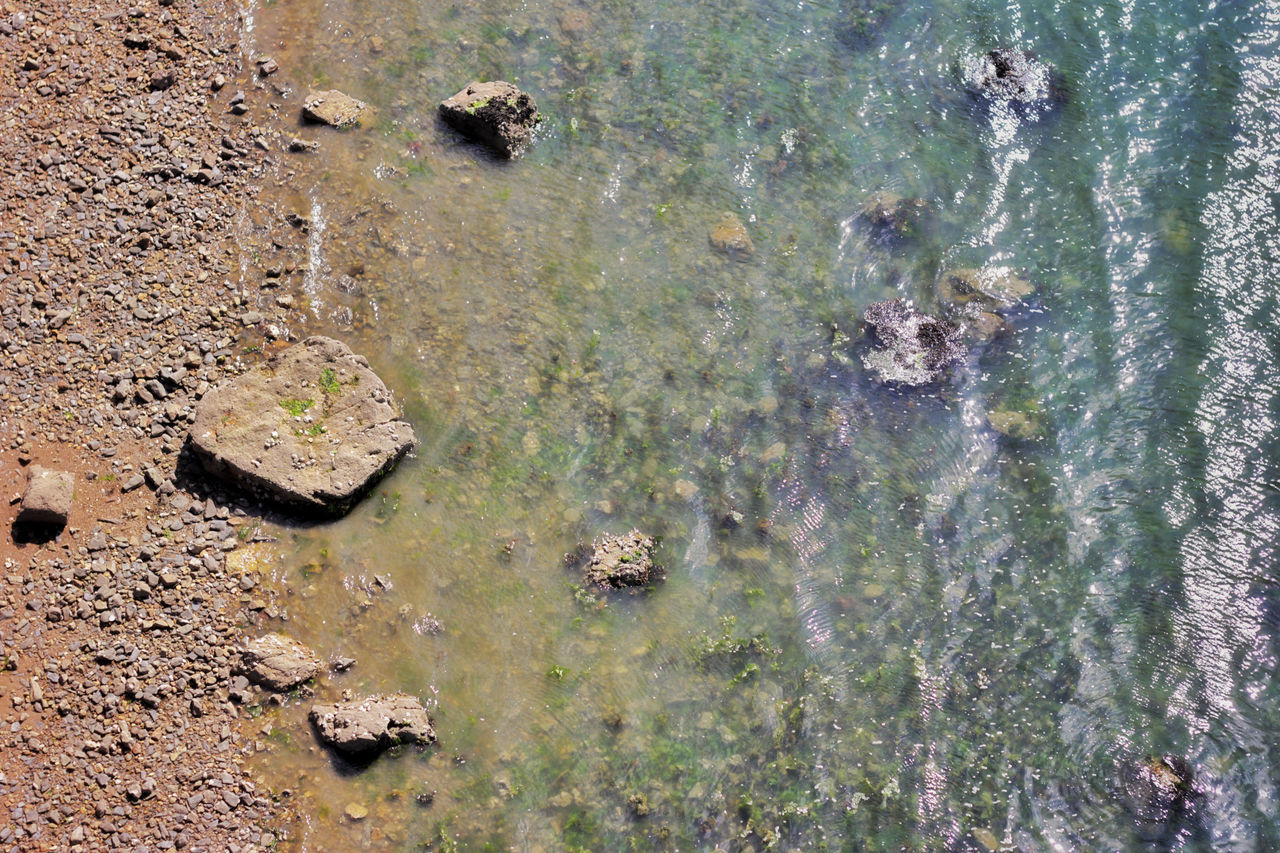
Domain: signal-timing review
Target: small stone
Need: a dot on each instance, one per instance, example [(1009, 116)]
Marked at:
[(356, 812), (334, 109), (730, 236)]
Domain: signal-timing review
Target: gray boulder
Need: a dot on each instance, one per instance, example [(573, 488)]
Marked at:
[(48, 497), (277, 662), (496, 113), (333, 108), (371, 724), (314, 428), (913, 348)]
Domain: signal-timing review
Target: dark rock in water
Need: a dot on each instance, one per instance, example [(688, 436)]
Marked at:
[(48, 497), (893, 217), (1013, 77), (496, 113), (1159, 788), (278, 662), (333, 108), (864, 21), (914, 348), (624, 561), (375, 723), (313, 427)]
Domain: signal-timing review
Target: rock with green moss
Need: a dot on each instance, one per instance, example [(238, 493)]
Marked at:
[(313, 428), (619, 562), (496, 113)]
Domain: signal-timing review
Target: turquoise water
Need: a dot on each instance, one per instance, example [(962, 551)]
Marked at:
[(885, 626)]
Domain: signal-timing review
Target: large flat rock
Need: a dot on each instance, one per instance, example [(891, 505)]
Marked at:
[(371, 724), (313, 428)]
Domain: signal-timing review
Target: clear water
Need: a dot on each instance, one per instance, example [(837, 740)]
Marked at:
[(962, 641)]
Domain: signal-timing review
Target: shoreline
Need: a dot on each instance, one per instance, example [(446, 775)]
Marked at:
[(134, 136)]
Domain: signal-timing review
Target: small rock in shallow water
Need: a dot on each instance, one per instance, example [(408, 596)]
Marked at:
[(278, 662), (368, 725), (989, 289), (495, 113), (333, 108), (892, 217), (914, 348), (730, 236), (1014, 77), (623, 561), (356, 812)]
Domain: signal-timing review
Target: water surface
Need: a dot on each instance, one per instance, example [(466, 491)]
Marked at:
[(885, 626)]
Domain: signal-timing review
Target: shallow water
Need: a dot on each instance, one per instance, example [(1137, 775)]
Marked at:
[(961, 641)]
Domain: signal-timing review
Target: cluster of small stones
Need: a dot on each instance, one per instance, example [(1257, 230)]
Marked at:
[(130, 139)]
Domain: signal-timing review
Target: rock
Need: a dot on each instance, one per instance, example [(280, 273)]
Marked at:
[(48, 497), (914, 348), (313, 427), (333, 108), (496, 113), (730, 236), (864, 20), (623, 561), (372, 724), (164, 79), (988, 289), (1013, 77), (356, 812), (1158, 788), (983, 327), (892, 217), (1015, 424), (277, 662)]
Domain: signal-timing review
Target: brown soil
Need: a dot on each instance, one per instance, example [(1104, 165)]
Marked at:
[(128, 152)]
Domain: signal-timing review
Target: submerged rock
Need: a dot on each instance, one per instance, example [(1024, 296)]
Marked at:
[(987, 289), (623, 561), (893, 217), (730, 236), (496, 113), (48, 497), (864, 20), (1013, 77), (1015, 424), (313, 427), (277, 662), (914, 348), (372, 724), (333, 108), (1158, 788)]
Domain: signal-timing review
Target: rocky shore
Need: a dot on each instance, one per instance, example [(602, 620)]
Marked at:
[(132, 135)]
